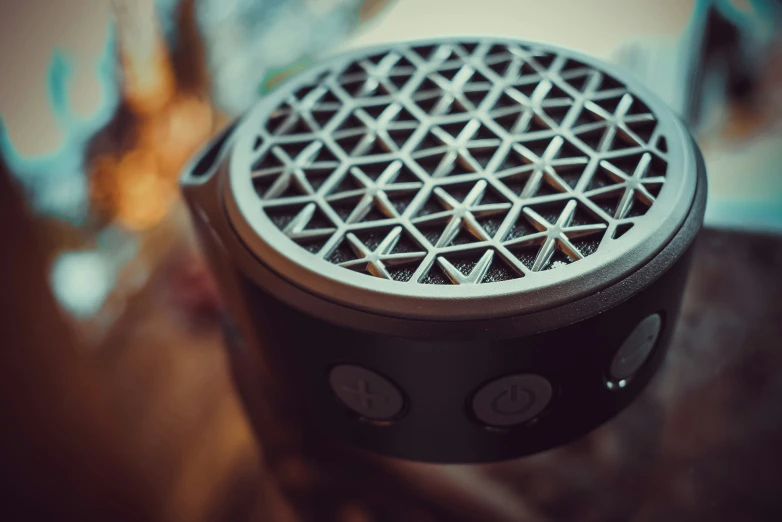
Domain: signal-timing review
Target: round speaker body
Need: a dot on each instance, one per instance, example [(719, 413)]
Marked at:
[(457, 250)]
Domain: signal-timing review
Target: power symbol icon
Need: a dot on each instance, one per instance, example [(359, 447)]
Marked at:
[(513, 401)]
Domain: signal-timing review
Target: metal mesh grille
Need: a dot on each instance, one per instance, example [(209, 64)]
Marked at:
[(459, 163)]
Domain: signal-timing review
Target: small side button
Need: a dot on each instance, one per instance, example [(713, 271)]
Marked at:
[(636, 349), (367, 393)]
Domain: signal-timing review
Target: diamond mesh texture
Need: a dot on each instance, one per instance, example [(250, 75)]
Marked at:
[(459, 163)]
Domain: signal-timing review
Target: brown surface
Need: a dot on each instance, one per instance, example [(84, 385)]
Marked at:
[(61, 449), (150, 428)]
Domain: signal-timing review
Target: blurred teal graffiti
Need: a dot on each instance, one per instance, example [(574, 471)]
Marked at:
[(56, 182)]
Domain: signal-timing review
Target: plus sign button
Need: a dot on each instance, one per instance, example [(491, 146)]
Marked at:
[(367, 393), (511, 400)]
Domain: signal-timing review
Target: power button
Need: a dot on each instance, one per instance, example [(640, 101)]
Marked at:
[(512, 400)]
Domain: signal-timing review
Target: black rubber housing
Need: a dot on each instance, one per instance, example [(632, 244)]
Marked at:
[(572, 347), (281, 355)]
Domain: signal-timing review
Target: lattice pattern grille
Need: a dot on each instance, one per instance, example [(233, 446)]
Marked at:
[(459, 163)]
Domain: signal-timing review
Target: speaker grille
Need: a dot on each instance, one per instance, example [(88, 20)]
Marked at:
[(459, 163)]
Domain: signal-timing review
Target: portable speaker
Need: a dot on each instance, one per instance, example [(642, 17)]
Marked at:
[(454, 250)]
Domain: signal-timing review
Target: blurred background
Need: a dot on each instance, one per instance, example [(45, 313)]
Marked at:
[(107, 296)]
